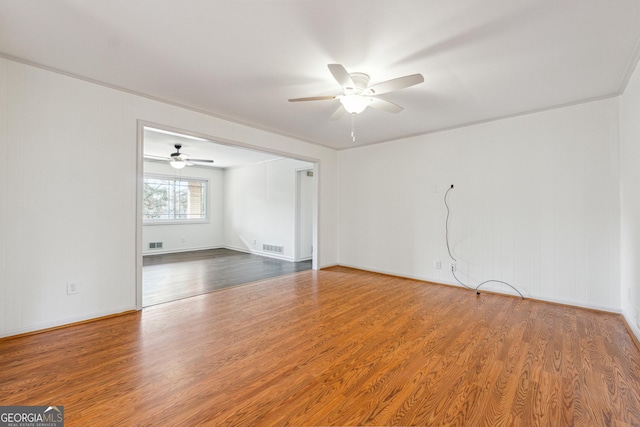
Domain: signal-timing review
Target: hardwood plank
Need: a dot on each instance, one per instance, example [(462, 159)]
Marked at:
[(173, 276), (334, 347)]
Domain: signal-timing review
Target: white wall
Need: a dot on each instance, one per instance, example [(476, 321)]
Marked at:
[(192, 236), (68, 203), (630, 201), (260, 206), (535, 204)]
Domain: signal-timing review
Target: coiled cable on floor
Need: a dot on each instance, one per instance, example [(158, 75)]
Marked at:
[(453, 272)]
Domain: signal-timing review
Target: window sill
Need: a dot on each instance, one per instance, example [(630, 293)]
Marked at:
[(183, 222)]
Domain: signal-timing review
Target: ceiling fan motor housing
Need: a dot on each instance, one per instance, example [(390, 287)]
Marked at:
[(177, 153), (361, 81)]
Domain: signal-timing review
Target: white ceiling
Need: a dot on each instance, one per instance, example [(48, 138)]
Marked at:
[(242, 59), (160, 143)]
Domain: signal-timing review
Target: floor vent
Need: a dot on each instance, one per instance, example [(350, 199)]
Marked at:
[(273, 248), (155, 245)]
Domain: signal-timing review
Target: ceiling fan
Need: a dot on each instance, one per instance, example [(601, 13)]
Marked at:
[(179, 160), (358, 95)]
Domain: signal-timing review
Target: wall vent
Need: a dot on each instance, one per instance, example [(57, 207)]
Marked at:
[(155, 245), (273, 248)]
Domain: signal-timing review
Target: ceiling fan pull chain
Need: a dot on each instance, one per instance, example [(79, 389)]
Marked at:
[(353, 127)]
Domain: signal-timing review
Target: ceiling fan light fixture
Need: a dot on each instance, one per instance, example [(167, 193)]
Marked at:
[(177, 163), (354, 103)]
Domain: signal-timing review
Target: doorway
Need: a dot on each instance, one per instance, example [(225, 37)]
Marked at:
[(157, 144)]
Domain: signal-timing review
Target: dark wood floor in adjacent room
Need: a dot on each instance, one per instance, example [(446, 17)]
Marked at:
[(168, 277), (334, 347)]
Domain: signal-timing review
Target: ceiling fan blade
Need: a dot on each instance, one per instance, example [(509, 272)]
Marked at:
[(314, 98), (338, 113), (397, 83), (200, 160), (381, 104), (150, 157), (341, 75)]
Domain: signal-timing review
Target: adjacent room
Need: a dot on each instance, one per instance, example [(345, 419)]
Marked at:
[(209, 224), (320, 213)]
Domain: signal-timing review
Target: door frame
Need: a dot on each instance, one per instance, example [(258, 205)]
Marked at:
[(299, 212), (141, 124)]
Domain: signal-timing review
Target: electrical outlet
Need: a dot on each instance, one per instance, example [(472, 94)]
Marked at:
[(452, 266), (437, 264), (72, 288)]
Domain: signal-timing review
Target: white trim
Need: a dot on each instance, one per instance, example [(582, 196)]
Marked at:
[(177, 251), (29, 63), (315, 238), (489, 120), (232, 248), (631, 324), (261, 253), (139, 212), (631, 68), (25, 61), (35, 328), (296, 219), (176, 222), (439, 281)]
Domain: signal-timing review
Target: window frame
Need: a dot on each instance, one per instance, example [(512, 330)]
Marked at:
[(177, 221)]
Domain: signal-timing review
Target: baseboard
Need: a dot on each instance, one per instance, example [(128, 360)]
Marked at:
[(634, 331), (232, 248), (177, 251), (72, 321), (488, 289), (261, 253)]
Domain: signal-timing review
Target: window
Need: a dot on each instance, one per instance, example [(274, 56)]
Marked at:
[(171, 199)]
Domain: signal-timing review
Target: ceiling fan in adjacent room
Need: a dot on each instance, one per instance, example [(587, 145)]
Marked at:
[(179, 160), (358, 95)]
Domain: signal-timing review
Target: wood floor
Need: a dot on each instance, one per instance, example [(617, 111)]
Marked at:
[(332, 348), (169, 277)]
